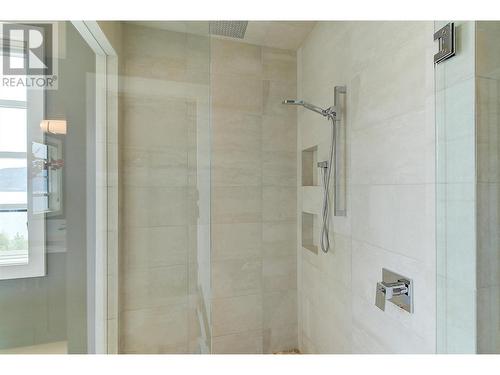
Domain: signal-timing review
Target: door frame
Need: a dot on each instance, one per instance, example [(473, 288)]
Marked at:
[(102, 228)]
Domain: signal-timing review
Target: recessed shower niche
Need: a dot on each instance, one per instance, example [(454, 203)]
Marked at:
[(309, 166), (309, 183)]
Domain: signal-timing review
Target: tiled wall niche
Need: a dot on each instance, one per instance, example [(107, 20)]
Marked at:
[(309, 220), (309, 166), (309, 229)]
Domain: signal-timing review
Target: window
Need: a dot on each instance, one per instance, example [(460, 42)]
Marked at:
[(23, 177)]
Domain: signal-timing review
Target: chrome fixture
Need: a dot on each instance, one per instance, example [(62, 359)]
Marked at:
[(396, 289), (446, 37), (232, 29), (325, 112), (331, 114)]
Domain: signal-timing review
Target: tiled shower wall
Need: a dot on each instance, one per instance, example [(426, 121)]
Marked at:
[(253, 198), (388, 70), (165, 94), (253, 195)]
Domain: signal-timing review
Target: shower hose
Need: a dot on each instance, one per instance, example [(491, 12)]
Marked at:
[(327, 172)]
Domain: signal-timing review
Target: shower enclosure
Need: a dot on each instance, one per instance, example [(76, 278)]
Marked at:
[(214, 201)]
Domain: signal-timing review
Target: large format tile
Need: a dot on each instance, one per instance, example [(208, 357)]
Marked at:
[(279, 133), (399, 218), (397, 151), (238, 204), (154, 287), (279, 64), (237, 241), (374, 332), (279, 273), (235, 58), (249, 342), (279, 239), (236, 314), (155, 331), (236, 277), (279, 168), (279, 203), (237, 93), (146, 247)]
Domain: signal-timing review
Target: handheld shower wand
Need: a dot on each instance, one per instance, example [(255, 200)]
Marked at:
[(326, 166)]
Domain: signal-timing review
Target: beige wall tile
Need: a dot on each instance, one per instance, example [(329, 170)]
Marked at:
[(236, 241), (279, 239), (155, 331), (279, 273), (273, 94), (154, 287), (237, 204), (280, 309), (279, 133), (236, 277), (280, 339), (168, 206), (279, 203), (237, 93), (164, 94), (160, 154), (249, 342), (236, 314), (236, 168), (235, 58), (279, 64), (146, 247), (279, 168), (488, 58)]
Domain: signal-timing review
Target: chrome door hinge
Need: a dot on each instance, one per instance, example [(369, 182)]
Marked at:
[(446, 37)]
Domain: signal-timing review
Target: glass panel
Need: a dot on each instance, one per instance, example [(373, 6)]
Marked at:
[(455, 196), (467, 120), (166, 184)]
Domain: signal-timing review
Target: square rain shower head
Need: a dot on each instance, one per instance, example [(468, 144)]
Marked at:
[(232, 29)]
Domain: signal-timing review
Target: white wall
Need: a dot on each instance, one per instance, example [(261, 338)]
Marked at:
[(388, 70)]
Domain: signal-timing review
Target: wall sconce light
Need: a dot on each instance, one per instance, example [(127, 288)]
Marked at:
[(54, 126)]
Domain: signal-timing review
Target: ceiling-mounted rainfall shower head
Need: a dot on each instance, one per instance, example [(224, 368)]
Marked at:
[(311, 107), (232, 29)]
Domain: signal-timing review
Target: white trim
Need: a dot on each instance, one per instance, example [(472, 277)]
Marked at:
[(97, 293)]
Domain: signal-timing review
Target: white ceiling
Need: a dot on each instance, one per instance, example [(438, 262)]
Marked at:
[(277, 34)]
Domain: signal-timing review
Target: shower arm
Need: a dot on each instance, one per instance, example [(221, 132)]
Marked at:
[(330, 112)]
